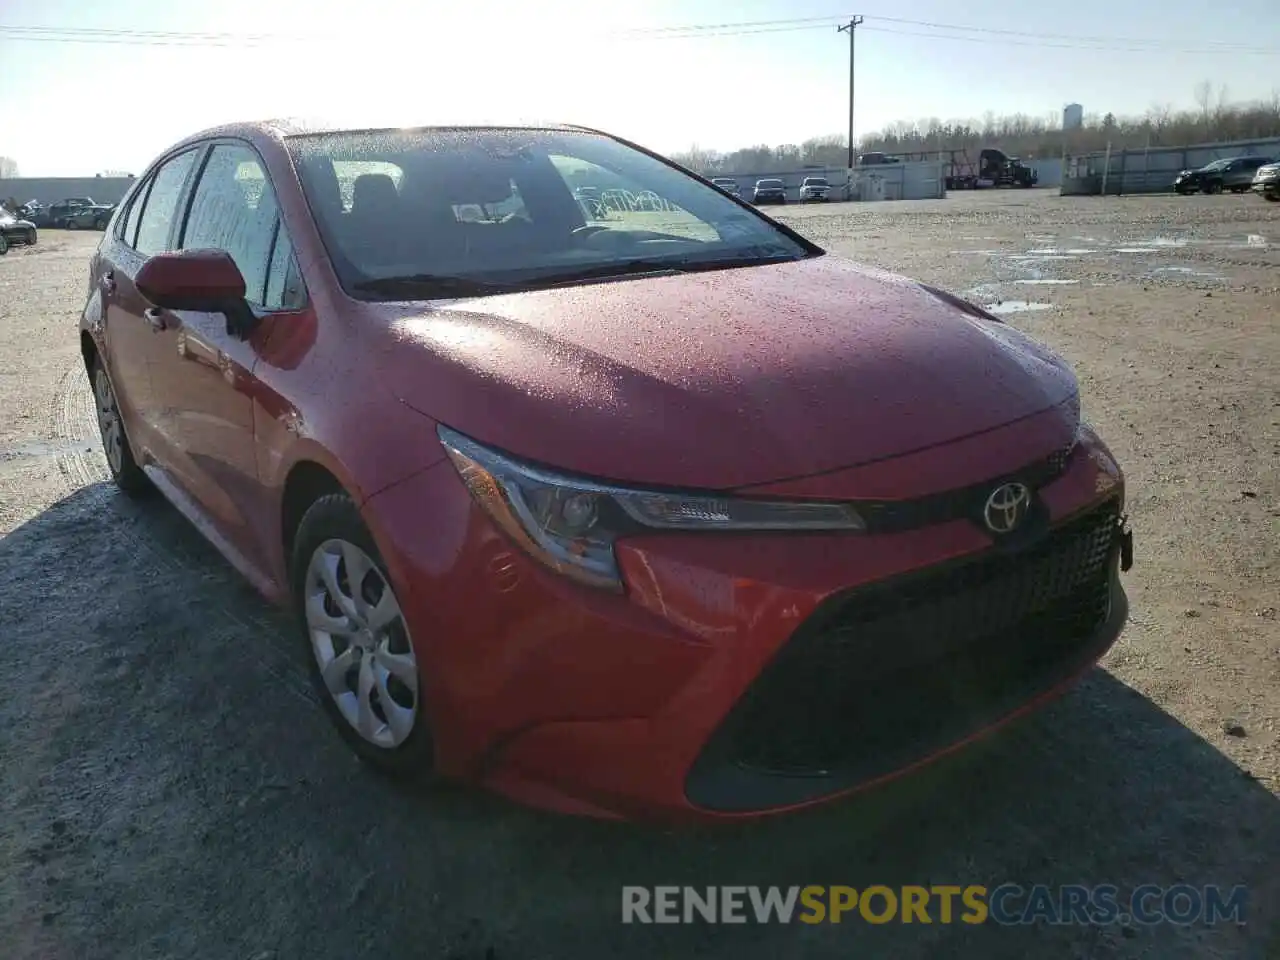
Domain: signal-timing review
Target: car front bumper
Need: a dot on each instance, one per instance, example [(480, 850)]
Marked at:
[(771, 197), (1266, 184), (734, 674)]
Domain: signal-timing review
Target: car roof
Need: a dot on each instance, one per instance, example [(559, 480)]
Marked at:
[(297, 127)]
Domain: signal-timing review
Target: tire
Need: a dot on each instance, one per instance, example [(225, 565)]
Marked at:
[(126, 473), (330, 526), (31, 237), (71, 225), (99, 224), (4, 244), (1213, 187), (1273, 197)]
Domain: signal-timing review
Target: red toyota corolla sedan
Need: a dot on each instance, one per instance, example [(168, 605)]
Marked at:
[(642, 506)]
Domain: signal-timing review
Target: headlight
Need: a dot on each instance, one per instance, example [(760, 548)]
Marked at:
[(570, 524)]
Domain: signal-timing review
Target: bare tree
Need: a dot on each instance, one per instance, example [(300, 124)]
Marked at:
[(1017, 135), (1204, 100)]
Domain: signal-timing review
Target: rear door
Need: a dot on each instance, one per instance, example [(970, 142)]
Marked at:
[(203, 376), (145, 229)]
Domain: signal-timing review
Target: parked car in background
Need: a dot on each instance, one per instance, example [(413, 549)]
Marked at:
[(1266, 182), (14, 230), (588, 521), (95, 217), (728, 185), (55, 214), (1234, 174), (769, 190), (815, 189)]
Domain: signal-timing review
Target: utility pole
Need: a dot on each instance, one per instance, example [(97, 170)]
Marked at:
[(851, 26)]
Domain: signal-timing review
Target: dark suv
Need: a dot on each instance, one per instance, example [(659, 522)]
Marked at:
[(769, 190), (1234, 174)]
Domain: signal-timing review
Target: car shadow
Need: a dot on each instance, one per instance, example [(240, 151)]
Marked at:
[(171, 788)]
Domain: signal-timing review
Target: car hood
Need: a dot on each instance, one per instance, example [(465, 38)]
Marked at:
[(717, 379)]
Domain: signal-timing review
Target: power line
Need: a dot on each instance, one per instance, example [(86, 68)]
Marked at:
[(958, 32)]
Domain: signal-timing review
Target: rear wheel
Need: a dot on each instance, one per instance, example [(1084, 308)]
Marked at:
[(99, 224), (363, 662), (1215, 187), (4, 244), (125, 471), (71, 225)]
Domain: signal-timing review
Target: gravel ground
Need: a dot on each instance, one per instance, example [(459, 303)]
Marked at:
[(171, 789)]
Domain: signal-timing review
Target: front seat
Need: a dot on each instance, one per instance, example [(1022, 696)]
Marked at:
[(374, 220)]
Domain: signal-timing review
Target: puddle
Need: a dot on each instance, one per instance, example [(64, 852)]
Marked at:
[(45, 448), (981, 253), (1046, 281), (1186, 272), (1031, 258), (1017, 306), (1137, 250), (984, 292), (1055, 252)]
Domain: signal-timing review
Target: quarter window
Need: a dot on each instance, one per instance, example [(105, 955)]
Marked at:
[(234, 209), (162, 203), (284, 284), (129, 223)]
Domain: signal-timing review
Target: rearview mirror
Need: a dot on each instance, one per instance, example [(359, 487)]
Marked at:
[(205, 280)]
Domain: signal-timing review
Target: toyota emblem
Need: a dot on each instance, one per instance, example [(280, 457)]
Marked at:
[(1007, 507)]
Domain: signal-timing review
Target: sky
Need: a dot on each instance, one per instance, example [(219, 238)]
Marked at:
[(89, 87)]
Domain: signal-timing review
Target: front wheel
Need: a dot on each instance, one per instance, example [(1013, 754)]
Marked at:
[(71, 225), (31, 237), (99, 224), (363, 662), (1273, 197), (125, 471)]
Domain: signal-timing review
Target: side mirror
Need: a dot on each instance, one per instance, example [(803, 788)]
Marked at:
[(204, 280)]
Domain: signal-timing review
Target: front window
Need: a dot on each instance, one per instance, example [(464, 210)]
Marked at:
[(815, 182), (1217, 165), (418, 214)]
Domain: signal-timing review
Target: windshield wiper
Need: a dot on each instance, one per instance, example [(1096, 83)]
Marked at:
[(658, 266), (434, 283)]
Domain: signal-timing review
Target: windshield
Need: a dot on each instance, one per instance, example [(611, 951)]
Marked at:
[(1216, 165), (768, 183), (815, 181), (415, 214)]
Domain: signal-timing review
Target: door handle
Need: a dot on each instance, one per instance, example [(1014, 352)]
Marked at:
[(156, 318), (108, 282)]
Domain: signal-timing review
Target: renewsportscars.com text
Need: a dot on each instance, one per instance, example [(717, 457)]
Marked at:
[(1006, 904)]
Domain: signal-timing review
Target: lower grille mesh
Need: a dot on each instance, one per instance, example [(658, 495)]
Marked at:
[(903, 668)]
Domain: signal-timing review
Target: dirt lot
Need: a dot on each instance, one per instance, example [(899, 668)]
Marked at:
[(170, 788)]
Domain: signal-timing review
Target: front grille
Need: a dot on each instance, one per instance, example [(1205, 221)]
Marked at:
[(890, 673), (964, 503)]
